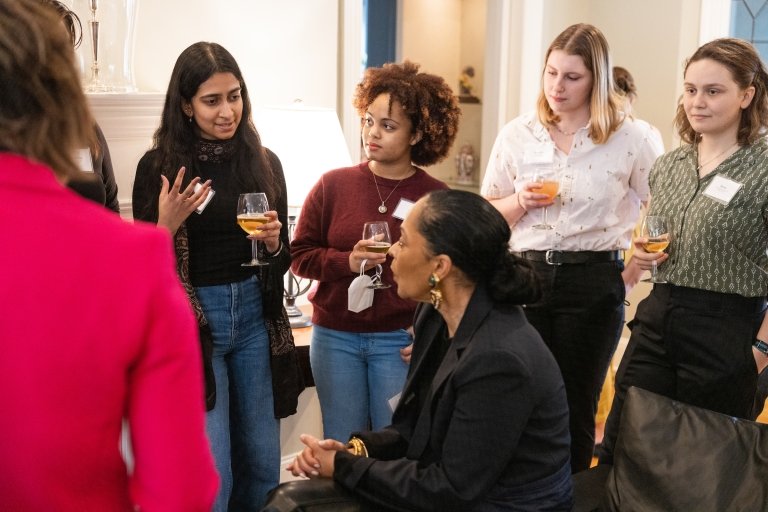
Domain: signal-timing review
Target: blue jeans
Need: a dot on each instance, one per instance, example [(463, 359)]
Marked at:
[(356, 374), (242, 429)]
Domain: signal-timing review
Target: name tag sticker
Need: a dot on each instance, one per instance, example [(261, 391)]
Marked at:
[(83, 159), (403, 208), (541, 153), (393, 402), (722, 189)]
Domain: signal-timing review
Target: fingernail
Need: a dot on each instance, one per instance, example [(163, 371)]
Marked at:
[(316, 466), (315, 473)]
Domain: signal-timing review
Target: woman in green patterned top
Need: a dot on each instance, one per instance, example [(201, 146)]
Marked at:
[(694, 337)]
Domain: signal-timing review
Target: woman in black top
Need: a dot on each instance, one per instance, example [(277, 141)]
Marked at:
[(482, 422), (101, 185), (207, 141)]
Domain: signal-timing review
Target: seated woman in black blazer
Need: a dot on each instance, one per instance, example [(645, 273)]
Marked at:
[(482, 423)]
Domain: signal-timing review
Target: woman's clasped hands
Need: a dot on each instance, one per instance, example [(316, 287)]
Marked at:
[(316, 459)]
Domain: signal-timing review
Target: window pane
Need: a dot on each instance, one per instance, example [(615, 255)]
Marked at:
[(749, 20)]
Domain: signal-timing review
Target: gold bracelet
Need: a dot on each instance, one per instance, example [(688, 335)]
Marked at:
[(358, 447)]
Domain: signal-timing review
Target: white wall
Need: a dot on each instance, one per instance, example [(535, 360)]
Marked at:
[(286, 49), (444, 36)]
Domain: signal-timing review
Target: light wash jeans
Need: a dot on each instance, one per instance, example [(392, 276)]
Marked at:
[(356, 374), (242, 429)]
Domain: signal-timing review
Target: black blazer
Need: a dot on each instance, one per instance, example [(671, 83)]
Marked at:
[(495, 419)]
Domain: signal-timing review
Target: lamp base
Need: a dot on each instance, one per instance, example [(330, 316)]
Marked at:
[(296, 317)]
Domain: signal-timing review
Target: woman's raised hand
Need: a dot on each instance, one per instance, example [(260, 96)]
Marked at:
[(175, 205)]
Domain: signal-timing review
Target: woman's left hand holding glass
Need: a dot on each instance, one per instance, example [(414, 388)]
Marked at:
[(361, 252), (269, 233)]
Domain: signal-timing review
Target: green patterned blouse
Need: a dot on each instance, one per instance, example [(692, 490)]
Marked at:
[(717, 244)]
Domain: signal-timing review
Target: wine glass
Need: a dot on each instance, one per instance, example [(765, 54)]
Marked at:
[(548, 184), (656, 233), (378, 234), (251, 215)]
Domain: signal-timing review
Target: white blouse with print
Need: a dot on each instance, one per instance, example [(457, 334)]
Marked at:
[(601, 185)]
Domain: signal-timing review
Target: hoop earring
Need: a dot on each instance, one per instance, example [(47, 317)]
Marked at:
[(435, 295)]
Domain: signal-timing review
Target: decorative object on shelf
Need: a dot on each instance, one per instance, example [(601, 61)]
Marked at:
[(111, 27), (466, 86), (465, 165), (309, 142)]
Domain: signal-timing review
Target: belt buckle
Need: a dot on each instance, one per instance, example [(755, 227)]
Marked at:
[(548, 257)]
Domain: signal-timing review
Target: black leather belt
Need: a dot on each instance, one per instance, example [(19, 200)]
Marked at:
[(570, 257)]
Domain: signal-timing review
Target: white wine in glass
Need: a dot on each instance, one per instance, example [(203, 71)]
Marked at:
[(548, 185), (380, 242), (656, 233), (251, 215)]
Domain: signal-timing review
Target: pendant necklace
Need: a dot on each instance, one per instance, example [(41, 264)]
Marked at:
[(715, 157), (382, 207)]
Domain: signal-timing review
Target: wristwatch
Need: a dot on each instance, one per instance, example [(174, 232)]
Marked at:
[(761, 346)]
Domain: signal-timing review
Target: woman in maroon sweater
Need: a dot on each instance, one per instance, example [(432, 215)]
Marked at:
[(360, 360)]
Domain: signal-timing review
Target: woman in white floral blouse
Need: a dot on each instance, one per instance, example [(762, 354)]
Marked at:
[(601, 158)]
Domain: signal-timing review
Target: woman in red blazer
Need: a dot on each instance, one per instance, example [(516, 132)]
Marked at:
[(95, 329)]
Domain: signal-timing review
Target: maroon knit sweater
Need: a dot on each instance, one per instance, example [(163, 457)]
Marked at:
[(330, 224)]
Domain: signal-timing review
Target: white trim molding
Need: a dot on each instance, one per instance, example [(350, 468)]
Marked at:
[(128, 122)]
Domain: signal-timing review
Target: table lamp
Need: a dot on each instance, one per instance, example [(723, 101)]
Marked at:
[(309, 142)]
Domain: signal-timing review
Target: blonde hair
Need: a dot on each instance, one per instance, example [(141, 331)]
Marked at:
[(605, 105), (43, 112)]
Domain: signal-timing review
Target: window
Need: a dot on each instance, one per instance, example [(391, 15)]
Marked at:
[(749, 20), (380, 29)]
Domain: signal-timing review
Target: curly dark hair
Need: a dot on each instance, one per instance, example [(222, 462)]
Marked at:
[(427, 100)]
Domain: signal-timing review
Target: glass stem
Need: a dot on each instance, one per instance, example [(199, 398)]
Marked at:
[(653, 271), (546, 222), (254, 252)]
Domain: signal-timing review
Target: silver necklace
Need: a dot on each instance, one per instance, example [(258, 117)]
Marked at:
[(567, 134), (715, 157), (382, 208)]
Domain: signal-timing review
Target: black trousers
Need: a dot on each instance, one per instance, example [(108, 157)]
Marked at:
[(580, 318), (690, 345)]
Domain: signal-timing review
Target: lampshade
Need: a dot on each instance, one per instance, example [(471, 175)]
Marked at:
[(308, 141)]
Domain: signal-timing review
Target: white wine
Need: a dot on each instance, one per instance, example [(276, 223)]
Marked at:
[(251, 222), (379, 247), (656, 244), (548, 187)]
